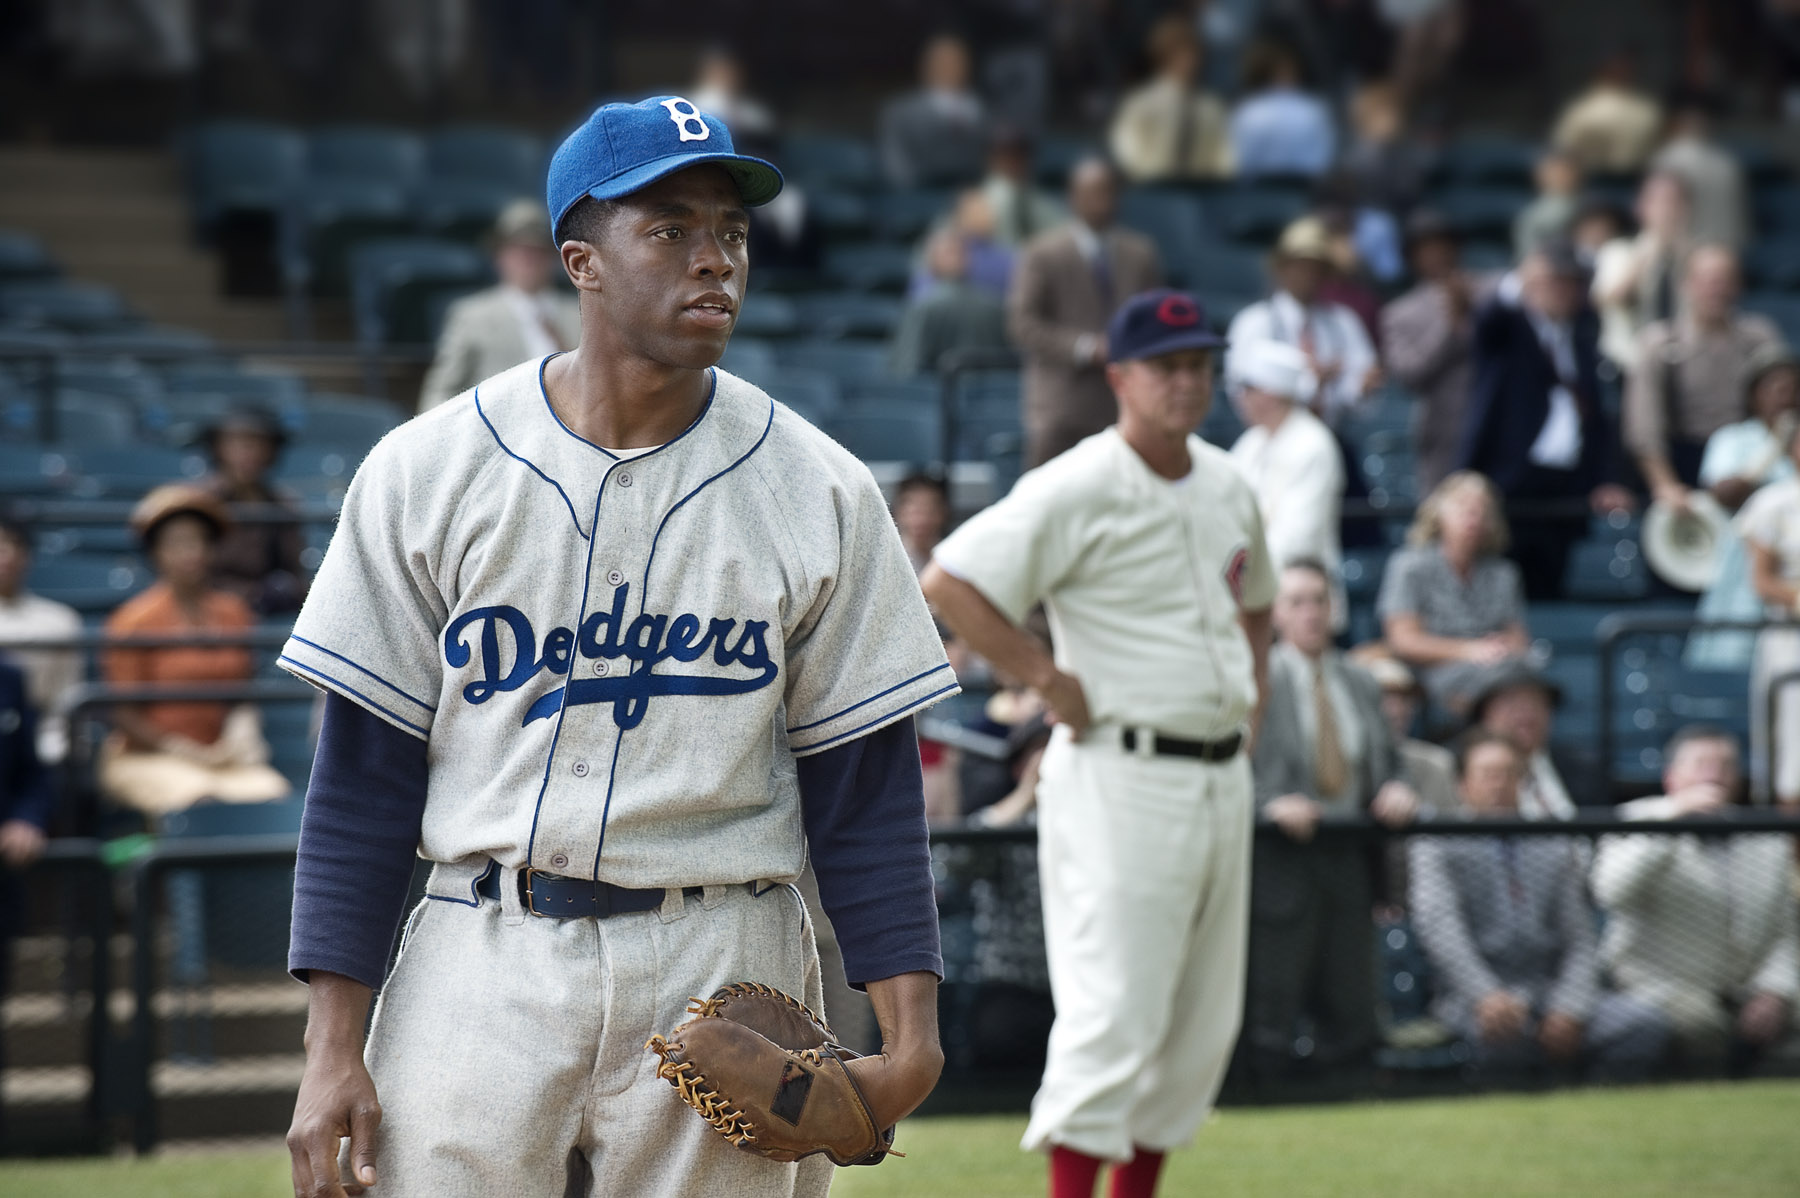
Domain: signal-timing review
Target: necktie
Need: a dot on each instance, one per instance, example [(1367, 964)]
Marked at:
[(1103, 280), (1185, 133), (1330, 773)]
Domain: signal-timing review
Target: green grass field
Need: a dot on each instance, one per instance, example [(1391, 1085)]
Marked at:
[(1719, 1141)]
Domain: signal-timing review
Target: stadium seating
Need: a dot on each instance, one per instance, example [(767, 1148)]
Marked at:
[(394, 280), (242, 166)]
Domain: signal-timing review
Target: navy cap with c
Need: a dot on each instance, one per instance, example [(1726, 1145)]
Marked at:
[(1156, 322)]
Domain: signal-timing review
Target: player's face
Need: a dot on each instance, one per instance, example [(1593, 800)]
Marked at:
[(670, 270), (1168, 394), (1521, 714), (182, 551), (1490, 782), (1303, 611)]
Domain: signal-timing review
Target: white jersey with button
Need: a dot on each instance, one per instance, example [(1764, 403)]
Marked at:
[(1143, 580), (615, 661)]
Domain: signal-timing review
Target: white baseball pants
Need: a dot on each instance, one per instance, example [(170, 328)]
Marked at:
[(508, 1049), (1145, 863)]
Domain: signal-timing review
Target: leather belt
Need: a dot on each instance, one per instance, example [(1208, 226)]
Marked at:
[(558, 897), (1159, 745)]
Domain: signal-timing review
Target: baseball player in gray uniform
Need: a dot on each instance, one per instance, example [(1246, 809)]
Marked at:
[(611, 640), (1146, 548)]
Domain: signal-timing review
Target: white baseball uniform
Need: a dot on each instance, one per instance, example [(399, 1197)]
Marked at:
[(1144, 859), (614, 661)]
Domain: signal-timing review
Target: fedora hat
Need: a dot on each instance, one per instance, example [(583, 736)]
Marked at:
[(1307, 240), (1684, 548)]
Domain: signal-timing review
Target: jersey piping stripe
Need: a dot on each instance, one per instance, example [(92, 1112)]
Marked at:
[(711, 390), (551, 408), (361, 670), (529, 464), (319, 675), (889, 718), (878, 694)]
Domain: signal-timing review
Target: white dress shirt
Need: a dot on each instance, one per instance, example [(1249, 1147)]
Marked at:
[(1558, 444), (1337, 338), (1297, 473)]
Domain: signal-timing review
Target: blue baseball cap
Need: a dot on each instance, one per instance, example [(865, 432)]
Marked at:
[(624, 148), (1157, 322)]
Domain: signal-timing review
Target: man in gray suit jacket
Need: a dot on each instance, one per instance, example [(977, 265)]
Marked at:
[(1325, 749), (1065, 287), (1507, 927), (523, 317)]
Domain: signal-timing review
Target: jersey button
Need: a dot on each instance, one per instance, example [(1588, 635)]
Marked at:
[(614, 578), (624, 478), (579, 769), (601, 667), (559, 861)]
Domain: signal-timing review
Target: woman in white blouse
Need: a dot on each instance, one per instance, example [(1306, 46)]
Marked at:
[(1770, 526)]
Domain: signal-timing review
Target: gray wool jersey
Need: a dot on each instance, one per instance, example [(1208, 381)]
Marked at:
[(615, 662)]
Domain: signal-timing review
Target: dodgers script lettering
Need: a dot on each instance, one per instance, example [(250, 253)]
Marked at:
[(646, 641)]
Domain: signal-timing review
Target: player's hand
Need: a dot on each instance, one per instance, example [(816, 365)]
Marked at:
[(21, 843), (1762, 1018), (337, 1099), (1396, 805), (896, 1081), (1065, 702), (1296, 815), (1559, 1036), (1501, 1016)]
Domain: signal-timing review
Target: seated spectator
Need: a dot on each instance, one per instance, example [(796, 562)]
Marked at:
[(26, 807), (49, 673), (922, 514), (1551, 213), (1739, 459), (1429, 769), (1427, 341), (1536, 426), (1638, 279), (1386, 169), (1330, 335), (521, 318), (1020, 208), (167, 756), (1065, 288), (1450, 604), (1689, 381), (1702, 927), (1324, 749), (1714, 178), (1289, 457), (1280, 128), (1770, 526), (987, 262), (1507, 928), (937, 134), (951, 313), (258, 562), (1613, 125), (1171, 128), (1519, 703)]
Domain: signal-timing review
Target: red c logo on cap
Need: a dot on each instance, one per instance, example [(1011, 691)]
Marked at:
[(1179, 311)]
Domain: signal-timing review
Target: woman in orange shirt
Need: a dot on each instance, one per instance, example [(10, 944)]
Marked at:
[(164, 757)]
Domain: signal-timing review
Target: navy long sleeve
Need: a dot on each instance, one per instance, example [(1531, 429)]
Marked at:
[(865, 827), (359, 838), (25, 791)]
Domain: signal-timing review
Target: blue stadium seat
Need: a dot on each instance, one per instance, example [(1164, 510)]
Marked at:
[(329, 216), (869, 266), (1056, 155), (1486, 257), (128, 471), (866, 394), (840, 213), (316, 470), (462, 209), (749, 359), (1773, 262), (23, 256), (1490, 160), (1481, 211), (488, 153), (1219, 269), (75, 307), (83, 419), (1171, 218), (1255, 212), (812, 393), (891, 436), (904, 214), (1567, 628), (849, 313), (88, 582), (849, 362), (1222, 427), (1609, 570), (1363, 570), (149, 342), (352, 423), (767, 315), (824, 159), (367, 152), (392, 281), (240, 383), (123, 378), (1784, 310), (242, 166), (1777, 209), (31, 470)]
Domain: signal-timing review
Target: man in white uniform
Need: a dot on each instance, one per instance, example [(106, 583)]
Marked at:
[(1146, 547), (612, 639)]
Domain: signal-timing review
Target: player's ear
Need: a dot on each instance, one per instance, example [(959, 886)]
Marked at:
[(581, 263)]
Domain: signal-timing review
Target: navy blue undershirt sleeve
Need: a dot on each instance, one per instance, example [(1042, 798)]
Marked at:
[(359, 838), (863, 805)]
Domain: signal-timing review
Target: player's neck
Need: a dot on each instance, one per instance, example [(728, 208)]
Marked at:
[(1165, 453), (623, 402)]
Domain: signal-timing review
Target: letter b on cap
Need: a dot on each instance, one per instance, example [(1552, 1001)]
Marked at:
[(687, 119)]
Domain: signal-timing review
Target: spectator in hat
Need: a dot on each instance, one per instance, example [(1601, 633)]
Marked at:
[(1613, 125), (1552, 211), (166, 756), (1289, 458), (1637, 279), (1428, 338), (1335, 344), (1171, 128), (1689, 379), (522, 317), (1702, 927), (1280, 127), (951, 313), (1519, 703), (1065, 287), (24, 616), (1714, 178), (1536, 425), (938, 133), (1020, 208), (259, 561)]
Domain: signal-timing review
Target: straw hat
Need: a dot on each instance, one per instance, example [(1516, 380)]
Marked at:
[(176, 499), (1684, 548), (1306, 240)]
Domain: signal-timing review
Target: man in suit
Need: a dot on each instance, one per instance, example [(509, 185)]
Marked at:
[(523, 317), (1065, 288), (1510, 937), (938, 133), (1704, 927), (1324, 750), (1535, 425)]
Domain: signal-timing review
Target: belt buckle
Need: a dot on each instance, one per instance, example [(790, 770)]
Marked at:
[(1144, 742), (530, 903)]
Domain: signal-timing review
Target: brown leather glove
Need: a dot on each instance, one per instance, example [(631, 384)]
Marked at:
[(763, 1069)]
